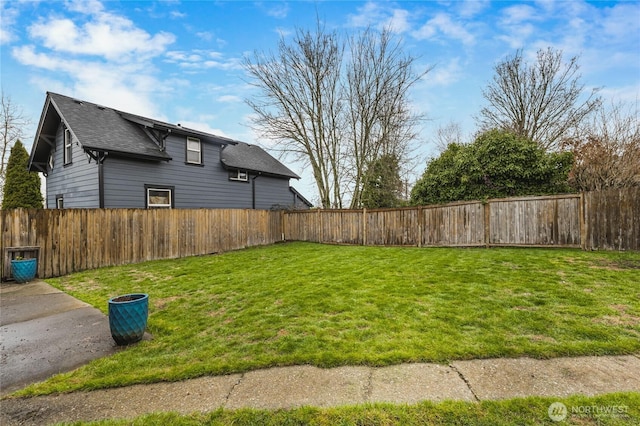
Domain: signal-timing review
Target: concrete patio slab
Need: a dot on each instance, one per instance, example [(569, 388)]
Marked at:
[(45, 332)]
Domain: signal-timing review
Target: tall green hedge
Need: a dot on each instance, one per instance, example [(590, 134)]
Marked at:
[(497, 164)]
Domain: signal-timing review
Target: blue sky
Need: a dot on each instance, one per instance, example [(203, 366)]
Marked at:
[(180, 61)]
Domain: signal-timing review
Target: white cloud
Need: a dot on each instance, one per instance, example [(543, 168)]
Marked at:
[(518, 24), (283, 32), (113, 37), (203, 127), (445, 75), (205, 35), (626, 94), (517, 14), (177, 14), (202, 59), (96, 55), (471, 8), (278, 10), (621, 22), (27, 55), (123, 87), (399, 21), (517, 36), (379, 16), (442, 23), (9, 16), (229, 99), (89, 7)]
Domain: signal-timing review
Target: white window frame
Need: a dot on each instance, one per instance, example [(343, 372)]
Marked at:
[(59, 202), (67, 140), (159, 206), (198, 150), (239, 175)]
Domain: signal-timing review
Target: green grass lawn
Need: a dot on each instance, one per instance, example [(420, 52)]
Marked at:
[(325, 305)]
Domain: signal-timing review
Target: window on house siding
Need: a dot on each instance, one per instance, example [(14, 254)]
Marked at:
[(68, 147), (194, 151), (240, 175), (59, 202), (159, 198)]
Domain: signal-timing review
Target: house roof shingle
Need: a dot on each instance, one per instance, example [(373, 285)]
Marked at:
[(106, 129), (253, 158)]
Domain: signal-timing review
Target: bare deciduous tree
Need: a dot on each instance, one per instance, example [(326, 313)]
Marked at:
[(543, 101), (380, 118), (337, 114), (448, 134), (298, 105), (607, 149), (12, 122)]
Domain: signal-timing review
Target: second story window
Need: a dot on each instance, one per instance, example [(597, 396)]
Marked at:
[(68, 147), (194, 151), (240, 175)]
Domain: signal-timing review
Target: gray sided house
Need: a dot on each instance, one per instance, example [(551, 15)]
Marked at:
[(97, 157)]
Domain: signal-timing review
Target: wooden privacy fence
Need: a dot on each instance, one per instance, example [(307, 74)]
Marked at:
[(74, 240), (592, 220)]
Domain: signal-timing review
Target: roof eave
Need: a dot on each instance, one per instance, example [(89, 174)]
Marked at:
[(259, 172), (36, 139), (135, 155)]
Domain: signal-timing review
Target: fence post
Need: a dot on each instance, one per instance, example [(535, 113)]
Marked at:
[(2, 234), (487, 224), (282, 226), (319, 226), (364, 226), (420, 219), (583, 222)]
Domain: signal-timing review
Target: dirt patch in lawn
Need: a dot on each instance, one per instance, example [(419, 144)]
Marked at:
[(622, 319), (160, 304), (617, 265)]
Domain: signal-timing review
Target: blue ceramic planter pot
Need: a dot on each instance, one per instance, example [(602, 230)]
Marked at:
[(128, 317), (24, 270)]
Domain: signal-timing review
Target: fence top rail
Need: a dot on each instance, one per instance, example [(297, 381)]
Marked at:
[(436, 206), (534, 197)]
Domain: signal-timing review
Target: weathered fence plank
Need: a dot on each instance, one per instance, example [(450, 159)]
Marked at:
[(73, 240), (535, 221), (612, 219)]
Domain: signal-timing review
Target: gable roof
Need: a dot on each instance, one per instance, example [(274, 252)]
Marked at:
[(95, 127), (104, 129), (255, 159)]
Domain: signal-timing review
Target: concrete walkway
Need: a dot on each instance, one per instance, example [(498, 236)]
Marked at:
[(288, 387), (44, 331)]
